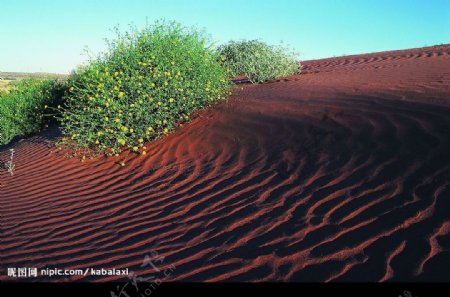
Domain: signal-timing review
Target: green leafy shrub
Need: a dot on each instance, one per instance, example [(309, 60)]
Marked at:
[(148, 81), (258, 61), (27, 107)]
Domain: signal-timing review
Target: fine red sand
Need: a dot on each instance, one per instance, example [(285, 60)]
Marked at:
[(341, 173)]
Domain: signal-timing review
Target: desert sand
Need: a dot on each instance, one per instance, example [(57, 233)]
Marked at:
[(341, 173)]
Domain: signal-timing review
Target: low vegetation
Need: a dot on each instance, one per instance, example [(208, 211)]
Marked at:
[(258, 61), (5, 85), (28, 106), (149, 81)]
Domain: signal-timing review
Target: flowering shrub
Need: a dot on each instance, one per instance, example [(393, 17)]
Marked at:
[(28, 107), (148, 81), (258, 61)]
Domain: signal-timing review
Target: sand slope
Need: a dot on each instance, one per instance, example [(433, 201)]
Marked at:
[(341, 173)]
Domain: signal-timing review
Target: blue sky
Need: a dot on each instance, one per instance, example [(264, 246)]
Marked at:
[(50, 35)]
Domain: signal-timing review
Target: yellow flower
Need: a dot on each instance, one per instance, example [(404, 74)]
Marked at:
[(131, 130), (173, 63), (107, 104), (97, 142), (171, 100), (117, 120), (99, 133), (121, 141), (116, 73), (106, 119), (120, 94), (141, 140), (166, 130), (135, 148), (144, 152)]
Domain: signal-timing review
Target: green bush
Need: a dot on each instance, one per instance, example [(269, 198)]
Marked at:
[(28, 107), (258, 61), (148, 81)]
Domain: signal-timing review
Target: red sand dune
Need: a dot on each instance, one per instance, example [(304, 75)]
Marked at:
[(341, 173)]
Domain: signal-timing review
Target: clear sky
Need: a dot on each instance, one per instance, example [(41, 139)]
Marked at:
[(50, 35)]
